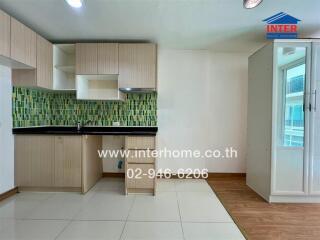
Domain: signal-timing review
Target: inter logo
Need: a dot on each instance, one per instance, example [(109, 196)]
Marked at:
[(281, 26)]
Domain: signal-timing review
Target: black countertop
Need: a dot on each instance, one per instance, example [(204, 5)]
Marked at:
[(61, 130)]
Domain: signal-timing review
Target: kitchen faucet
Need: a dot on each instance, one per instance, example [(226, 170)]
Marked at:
[(79, 125)]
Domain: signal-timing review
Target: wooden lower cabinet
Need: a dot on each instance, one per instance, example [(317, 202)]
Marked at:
[(140, 169), (68, 163), (140, 177), (34, 161), (91, 162), (140, 143)]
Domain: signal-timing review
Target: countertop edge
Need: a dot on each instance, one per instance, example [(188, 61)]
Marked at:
[(152, 131)]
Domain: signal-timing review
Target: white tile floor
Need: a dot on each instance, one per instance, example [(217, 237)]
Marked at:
[(182, 209)]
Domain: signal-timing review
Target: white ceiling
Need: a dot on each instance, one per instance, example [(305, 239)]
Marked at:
[(220, 25)]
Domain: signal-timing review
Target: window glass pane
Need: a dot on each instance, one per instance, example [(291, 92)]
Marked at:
[(294, 115)]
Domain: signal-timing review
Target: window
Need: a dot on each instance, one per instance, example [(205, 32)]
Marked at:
[(294, 80)]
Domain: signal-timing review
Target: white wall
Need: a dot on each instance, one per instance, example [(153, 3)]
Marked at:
[(202, 104), (6, 137)]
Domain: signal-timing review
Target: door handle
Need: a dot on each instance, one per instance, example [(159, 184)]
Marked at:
[(305, 105), (314, 93)]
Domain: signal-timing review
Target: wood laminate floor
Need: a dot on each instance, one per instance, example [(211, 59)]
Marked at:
[(260, 220)]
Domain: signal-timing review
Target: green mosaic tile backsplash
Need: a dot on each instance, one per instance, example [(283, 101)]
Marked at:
[(34, 107)]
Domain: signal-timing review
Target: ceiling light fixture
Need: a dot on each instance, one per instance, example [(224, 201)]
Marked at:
[(251, 3), (75, 3)]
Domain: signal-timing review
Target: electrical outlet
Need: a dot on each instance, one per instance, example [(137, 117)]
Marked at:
[(120, 162)]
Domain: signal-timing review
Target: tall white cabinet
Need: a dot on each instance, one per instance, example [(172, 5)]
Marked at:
[(283, 160)]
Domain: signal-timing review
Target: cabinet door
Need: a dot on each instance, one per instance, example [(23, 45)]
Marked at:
[(4, 34), (138, 176), (140, 142), (30, 38), (23, 43), (91, 162), (86, 58), (34, 160), (17, 41), (108, 62), (44, 63), (137, 66), (67, 169), (139, 156)]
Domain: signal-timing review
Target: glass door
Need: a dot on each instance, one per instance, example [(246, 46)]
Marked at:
[(293, 104), (290, 118)]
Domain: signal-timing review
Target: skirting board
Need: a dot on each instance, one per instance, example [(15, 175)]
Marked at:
[(140, 191), (49, 189), (8, 194), (113, 174), (210, 175), (226, 175), (294, 199)]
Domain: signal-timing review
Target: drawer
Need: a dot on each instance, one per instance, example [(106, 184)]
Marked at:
[(133, 142), (139, 156), (141, 178)]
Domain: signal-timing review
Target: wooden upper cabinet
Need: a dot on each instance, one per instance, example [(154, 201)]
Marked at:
[(42, 76), (44, 70), (23, 43), (108, 62), (4, 34), (86, 58), (137, 65), (17, 41), (97, 58), (30, 41)]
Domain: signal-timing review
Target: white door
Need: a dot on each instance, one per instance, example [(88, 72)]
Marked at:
[(315, 121), (291, 119)]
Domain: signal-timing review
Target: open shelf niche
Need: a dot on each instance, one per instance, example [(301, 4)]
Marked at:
[(98, 87), (64, 67)]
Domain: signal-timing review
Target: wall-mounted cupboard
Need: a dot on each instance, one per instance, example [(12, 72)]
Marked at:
[(42, 76), (97, 71), (23, 44), (98, 87), (137, 66), (97, 58), (94, 70), (64, 67), (28, 54), (102, 69), (17, 43), (4, 34)]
